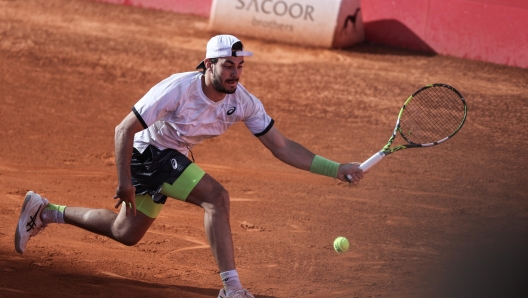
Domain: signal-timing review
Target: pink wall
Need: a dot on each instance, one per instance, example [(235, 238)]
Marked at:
[(488, 30)]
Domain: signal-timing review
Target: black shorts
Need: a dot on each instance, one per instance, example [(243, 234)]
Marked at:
[(154, 167)]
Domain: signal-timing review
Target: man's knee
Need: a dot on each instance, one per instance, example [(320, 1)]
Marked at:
[(217, 200), (129, 230), (220, 197), (133, 240), (127, 235), (210, 195), (130, 239)]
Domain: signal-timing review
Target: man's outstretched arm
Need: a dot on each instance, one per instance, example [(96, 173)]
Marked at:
[(294, 154)]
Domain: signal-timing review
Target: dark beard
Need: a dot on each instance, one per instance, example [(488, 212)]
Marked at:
[(217, 84)]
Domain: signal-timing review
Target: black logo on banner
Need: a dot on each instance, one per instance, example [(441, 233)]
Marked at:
[(352, 19)]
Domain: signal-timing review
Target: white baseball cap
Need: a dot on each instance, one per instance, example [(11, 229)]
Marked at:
[(220, 46)]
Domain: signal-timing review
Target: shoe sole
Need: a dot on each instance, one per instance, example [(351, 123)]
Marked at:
[(17, 232)]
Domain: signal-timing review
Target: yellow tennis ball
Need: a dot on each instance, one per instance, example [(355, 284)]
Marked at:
[(341, 244)]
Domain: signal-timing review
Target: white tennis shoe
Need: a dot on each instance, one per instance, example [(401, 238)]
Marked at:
[(29, 222), (238, 294)]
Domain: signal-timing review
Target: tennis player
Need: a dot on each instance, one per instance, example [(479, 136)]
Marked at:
[(152, 146)]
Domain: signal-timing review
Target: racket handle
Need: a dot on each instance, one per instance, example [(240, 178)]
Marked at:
[(370, 162)]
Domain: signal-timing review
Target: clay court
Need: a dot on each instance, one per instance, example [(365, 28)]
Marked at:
[(447, 221)]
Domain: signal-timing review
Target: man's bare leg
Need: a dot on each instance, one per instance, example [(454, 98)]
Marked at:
[(214, 199), (127, 230), (35, 215)]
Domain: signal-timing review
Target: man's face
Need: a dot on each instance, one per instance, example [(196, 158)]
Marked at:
[(226, 73)]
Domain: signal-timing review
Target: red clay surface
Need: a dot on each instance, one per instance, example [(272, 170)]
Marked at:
[(71, 70)]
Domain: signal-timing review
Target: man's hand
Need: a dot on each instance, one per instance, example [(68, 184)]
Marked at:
[(351, 169), (128, 195)]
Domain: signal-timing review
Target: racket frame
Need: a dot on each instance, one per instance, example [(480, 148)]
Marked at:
[(388, 150)]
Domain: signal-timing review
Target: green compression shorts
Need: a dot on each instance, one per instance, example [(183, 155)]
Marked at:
[(180, 189)]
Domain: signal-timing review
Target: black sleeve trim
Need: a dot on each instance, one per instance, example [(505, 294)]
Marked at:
[(265, 130), (139, 117)]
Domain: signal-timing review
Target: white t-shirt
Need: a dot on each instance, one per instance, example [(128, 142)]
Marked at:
[(176, 114)]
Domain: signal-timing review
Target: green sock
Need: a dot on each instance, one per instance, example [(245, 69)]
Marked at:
[(53, 214)]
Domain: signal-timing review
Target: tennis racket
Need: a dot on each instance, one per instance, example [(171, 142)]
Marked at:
[(431, 116)]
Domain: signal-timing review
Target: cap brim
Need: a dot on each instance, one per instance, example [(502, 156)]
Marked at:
[(242, 54), (201, 66)]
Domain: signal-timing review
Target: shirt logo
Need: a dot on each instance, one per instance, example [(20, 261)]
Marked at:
[(174, 163), (231, 111)]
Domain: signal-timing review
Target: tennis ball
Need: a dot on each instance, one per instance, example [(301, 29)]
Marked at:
[(341, 244)]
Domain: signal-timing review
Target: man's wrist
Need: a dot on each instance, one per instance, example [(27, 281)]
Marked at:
[(323, 166)]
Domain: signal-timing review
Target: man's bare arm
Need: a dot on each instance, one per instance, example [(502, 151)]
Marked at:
[(294, 154), (124, 139)]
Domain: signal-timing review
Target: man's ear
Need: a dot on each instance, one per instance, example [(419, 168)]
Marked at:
[(208, 63)]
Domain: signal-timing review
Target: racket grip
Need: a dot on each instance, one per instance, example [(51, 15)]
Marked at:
[(370, 162)]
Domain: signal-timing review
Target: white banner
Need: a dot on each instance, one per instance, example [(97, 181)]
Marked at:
[(329, 23)]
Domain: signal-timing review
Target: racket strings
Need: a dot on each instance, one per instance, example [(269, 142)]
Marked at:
[(431, 115)]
